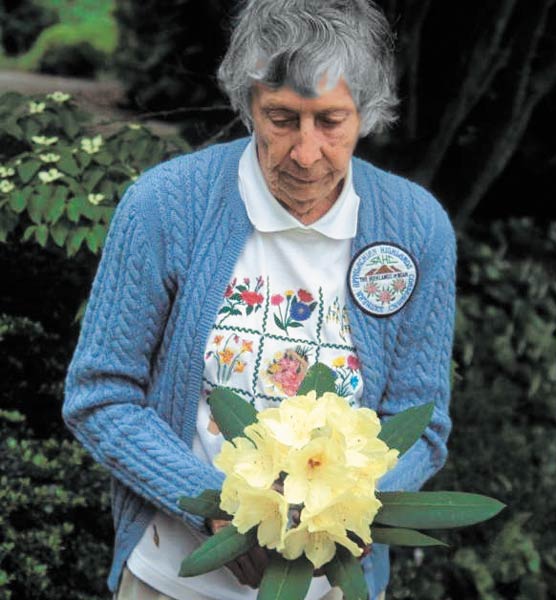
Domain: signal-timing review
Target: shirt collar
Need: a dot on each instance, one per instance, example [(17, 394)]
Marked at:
[(268, 215)]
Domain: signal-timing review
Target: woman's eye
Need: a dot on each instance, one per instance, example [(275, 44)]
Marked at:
[(330, 123), (283, 122)]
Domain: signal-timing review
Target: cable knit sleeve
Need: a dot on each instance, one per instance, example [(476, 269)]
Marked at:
[(108, 380), (419, 371)]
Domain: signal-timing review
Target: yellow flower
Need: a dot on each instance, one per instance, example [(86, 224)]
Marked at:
[(96, 198), (36, 108), (316, 473), (354, 513), (91, 145), (294, 421), (240, 367), (289, 293), (49, 157), (266, 508), (339, 361), (6, 186), (319, 545), (50, 175), (59, 97), (226, 355), (257, 460), (7, 172), (44, 141)]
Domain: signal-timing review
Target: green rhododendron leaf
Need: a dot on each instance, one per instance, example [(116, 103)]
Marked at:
[(286, 579), (345, 571), (404, 429), (231, 412), (205, 505), (435, 510), (218, 550), (319, 378), (394, 536)]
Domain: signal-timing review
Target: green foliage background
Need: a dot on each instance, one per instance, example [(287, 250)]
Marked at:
[(55, 532)]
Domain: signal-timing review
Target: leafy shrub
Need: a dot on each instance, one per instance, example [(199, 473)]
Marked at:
[(166, 62), (60, 184), (504, 411), (21, 22), (54, 513), (83, 34)]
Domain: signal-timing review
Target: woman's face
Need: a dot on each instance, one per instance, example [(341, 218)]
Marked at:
[(305, 145)]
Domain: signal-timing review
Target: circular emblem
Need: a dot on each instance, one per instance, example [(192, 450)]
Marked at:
[(382, 278)]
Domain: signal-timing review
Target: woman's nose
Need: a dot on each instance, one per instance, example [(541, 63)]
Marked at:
[(306, 150)]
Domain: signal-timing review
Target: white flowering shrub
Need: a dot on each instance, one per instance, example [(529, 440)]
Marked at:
[(60, 179)]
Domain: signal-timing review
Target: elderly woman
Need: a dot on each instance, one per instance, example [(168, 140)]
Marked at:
[(245, 263)]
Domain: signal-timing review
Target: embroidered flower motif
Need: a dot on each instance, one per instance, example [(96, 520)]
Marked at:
[(276, 300), (385, 297), (285, 372), (304, 296), (300, 311), (371, 288), (295, 311), (353, 362), (339, 361), (246, 345), (241, 296), (399, 285), (228, 356), (240, 367), (336, 314), (251, 298), (347, 374)]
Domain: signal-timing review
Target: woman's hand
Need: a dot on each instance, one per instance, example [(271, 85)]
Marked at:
[(249, 567)]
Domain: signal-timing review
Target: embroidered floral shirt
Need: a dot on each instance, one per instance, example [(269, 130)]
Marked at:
[(283, 310)]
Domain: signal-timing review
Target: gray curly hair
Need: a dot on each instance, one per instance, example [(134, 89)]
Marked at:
[(299, 42)]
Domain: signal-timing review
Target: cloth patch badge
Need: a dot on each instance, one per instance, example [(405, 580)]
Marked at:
[(382, 278)]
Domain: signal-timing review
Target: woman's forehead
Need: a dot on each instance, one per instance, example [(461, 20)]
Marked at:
[(337, 98)]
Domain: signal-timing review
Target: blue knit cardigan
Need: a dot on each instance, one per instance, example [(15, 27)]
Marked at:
[(135, 379)]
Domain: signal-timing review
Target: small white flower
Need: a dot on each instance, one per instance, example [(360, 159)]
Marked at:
[(59, 97), (44, 141), (134, 177), (91, 145), (49, 157), (36, 108), (7, 172), (134, 126), (50, 175), (96, 198), (6, 186)]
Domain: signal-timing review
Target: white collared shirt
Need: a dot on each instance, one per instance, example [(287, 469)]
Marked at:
[(283, 310)]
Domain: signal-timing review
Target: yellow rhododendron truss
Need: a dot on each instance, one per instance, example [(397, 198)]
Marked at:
[(305, 475)]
